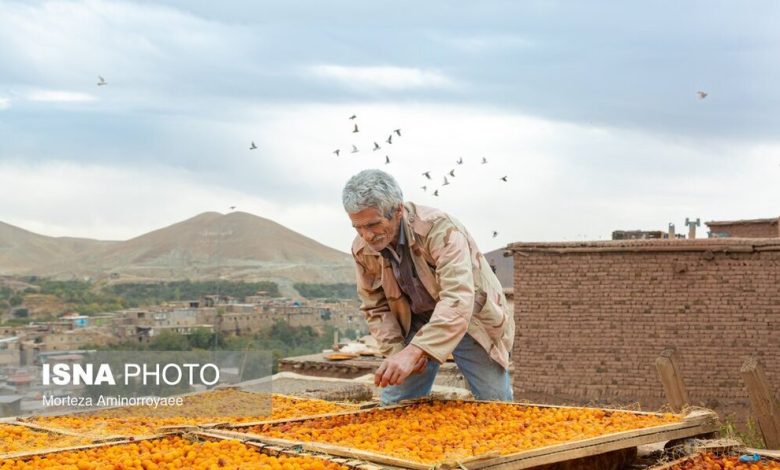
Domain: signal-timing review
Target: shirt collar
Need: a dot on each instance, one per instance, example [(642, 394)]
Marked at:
[(401, 240)]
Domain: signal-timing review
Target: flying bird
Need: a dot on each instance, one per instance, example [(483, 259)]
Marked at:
[(387, 160), (101, 81), (424, 188), (353, 116), (436, 192), (495, 234), (253, 146), (354, 149), (503, 178), (389, 139), (452, 173), (427, 174), (376, 147), (355, 129), (232, 207), (702, 94), (484, 160), (445, 182), (337, 152), (460, 161), (398, 131)]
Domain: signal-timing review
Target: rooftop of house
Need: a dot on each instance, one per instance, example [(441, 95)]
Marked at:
[(771, 220), (726, 245)]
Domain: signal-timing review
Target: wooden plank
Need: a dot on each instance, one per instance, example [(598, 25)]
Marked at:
[(667, 365), (762, 402)]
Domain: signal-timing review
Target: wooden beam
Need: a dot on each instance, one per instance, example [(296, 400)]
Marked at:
[(668, 366), (763, 403)]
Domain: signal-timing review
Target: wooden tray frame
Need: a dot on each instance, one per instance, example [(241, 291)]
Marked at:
[(695, 423), (271, 450), (164, 430)]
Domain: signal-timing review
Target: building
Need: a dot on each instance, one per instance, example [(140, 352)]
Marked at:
[(750, 228), (593, 317)]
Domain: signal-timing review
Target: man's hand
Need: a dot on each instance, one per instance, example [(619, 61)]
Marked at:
[(395, 369)]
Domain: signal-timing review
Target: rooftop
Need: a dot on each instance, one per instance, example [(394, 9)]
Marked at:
[(772, 220), (725, 245)]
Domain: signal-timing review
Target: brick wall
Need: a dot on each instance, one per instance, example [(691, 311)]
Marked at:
[(592, 318)]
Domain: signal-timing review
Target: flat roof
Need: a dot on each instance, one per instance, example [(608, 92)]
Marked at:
[(772, 220), (726, 245)]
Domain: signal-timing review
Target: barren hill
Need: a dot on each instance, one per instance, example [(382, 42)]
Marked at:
[(22, 252), (238, 246)]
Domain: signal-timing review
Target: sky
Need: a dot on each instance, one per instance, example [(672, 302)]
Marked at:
[(589, 108)]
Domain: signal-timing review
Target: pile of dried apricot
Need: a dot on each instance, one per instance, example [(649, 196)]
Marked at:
[(223, 406), (15, 438), (438, 431), (172, 453), (708, 461)]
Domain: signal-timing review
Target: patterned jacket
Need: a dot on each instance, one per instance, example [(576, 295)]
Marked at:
[(468, 295)]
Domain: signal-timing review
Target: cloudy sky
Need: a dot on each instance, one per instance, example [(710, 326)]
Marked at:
[(590, 109)]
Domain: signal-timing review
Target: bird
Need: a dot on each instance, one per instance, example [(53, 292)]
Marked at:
[(452, 173), (427, 174), (353, 116), (253, 146), (503, 178), (387, 160), (389, 139), (101, 81), (495, 234), (445, 182), (436, 192), (424, 188), (355, 129), (398, 131), (376, 147), (232, 207), (702, 94), (337, 152), (460, 161), (354, 149), (484, 160)]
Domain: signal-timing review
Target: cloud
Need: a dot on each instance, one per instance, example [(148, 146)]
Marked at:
[(383, 77), (59, 96), (484, 43), (5, 103)]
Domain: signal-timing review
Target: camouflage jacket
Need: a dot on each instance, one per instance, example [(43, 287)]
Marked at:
[(468, 295)]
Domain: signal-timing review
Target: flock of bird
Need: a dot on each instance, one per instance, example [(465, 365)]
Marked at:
[(447, 178), (389, 140)]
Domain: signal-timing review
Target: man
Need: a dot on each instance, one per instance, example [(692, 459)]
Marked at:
[(427, 292)]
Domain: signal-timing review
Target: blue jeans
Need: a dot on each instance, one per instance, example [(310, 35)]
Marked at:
[(487, 379)]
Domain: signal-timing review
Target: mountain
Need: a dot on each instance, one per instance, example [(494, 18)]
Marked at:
[(237, 246), (22, 252)]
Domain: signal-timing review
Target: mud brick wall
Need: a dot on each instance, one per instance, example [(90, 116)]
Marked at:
[(592, 318), (763, 229)]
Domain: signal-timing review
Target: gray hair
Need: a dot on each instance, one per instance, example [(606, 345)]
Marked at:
[(372, 188)]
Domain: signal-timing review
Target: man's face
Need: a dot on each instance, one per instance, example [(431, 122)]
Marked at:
[(374, 228)]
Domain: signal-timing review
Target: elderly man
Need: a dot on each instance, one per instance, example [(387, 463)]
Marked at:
[(427, 292)]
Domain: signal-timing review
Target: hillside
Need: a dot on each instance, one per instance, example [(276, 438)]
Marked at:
[(237, 246)]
